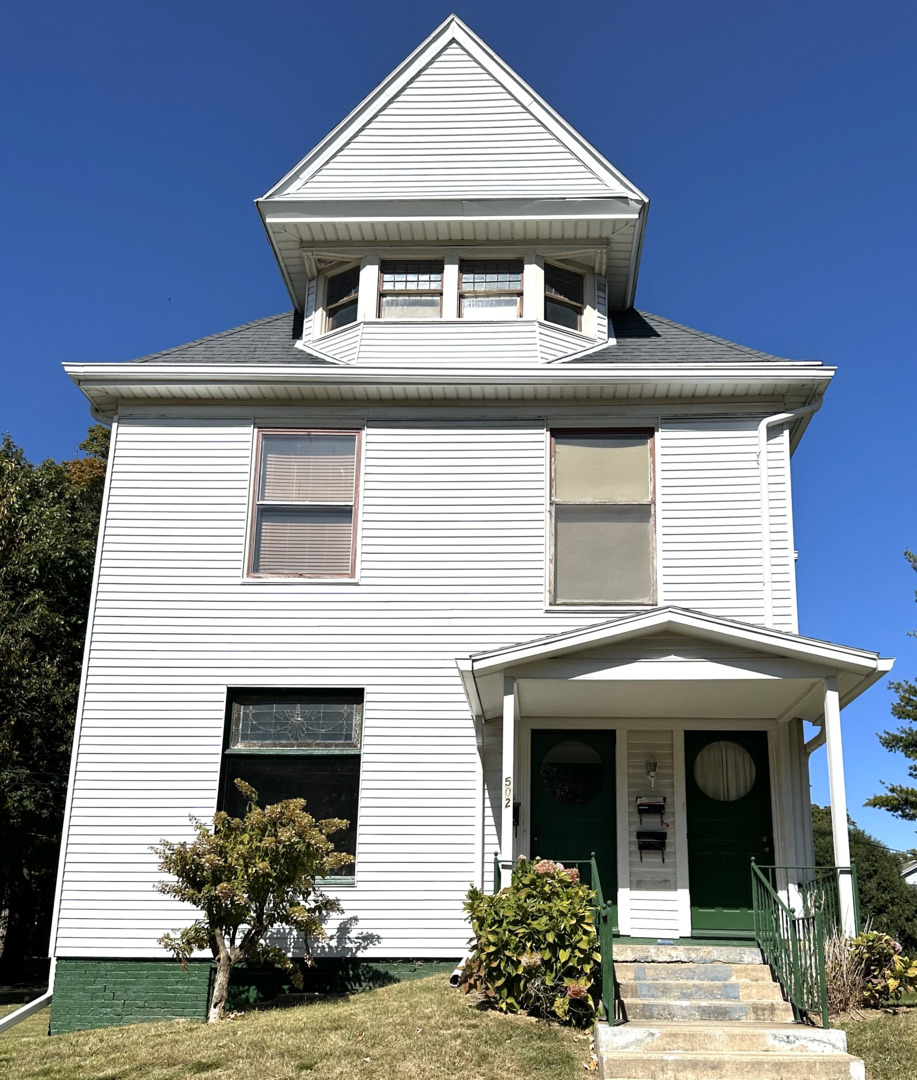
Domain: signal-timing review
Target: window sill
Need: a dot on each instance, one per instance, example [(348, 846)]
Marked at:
[(297, 580), (337, 882), (589, 608)]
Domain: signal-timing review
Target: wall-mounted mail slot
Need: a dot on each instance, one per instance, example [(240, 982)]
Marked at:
[(651, 840), (651, 806)]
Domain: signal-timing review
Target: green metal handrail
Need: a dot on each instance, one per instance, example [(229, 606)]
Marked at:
[(794, 938)]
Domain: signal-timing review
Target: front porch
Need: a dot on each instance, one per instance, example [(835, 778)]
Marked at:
[(671, 743)]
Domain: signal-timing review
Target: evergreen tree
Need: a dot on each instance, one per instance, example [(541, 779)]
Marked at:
[(49, 518), (901, 799)]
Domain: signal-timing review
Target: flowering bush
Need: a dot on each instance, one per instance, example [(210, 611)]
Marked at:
[(535, 944), (887, 972)]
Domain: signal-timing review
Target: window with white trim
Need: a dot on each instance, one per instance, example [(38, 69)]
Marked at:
[(602, 517), (490, 288), (304, 520), (297, 744)]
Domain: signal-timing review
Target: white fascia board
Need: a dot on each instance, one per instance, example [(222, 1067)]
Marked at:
[(301, 211), (471, 687), (452, 29), (692, 624)]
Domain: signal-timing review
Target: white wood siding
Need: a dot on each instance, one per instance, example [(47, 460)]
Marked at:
[(453, 131), (710, 522)]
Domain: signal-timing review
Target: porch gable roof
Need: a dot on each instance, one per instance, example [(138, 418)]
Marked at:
[(727, 668)]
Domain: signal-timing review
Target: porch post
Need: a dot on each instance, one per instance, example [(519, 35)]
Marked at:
[(838, 803), (509, 780)]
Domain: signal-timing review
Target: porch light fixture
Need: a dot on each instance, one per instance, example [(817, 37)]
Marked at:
[(651, 771)]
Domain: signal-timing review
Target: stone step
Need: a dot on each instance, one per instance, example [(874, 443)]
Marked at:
[(765, 1012), (715, 972), (721, 1038), (692, 954), (735, 1066), (698, 990)]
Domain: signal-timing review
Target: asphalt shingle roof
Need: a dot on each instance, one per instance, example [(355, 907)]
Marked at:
[(640, 338)]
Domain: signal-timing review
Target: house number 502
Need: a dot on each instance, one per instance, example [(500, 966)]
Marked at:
[(508, 792)]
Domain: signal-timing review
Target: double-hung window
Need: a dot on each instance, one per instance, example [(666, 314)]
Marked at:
[(563, 297), (602, 517), (291, 744), (305, 504), (341, 298), (490, 288), (411, 289)]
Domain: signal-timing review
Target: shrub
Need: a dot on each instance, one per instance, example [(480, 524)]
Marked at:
[(535, 946), (887, 972)]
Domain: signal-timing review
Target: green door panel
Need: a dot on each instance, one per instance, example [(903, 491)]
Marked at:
[(726, 829), (573, 801)]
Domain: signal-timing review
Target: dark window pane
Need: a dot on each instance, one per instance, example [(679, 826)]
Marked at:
[(561, 314), (491, 275), (343, 285), (343, 315), (329, 784), (412, 276), (564, 284)]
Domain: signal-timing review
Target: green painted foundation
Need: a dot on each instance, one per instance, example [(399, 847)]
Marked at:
[(107, 993)]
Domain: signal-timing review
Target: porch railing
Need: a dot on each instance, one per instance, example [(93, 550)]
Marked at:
[(792, 929), (610, 1006)]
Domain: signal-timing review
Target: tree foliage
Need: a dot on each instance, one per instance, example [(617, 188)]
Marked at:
[(901, 799), (886, 900), (49, 516), (248, 876)]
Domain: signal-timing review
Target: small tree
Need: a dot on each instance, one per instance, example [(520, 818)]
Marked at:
[(247, 876)]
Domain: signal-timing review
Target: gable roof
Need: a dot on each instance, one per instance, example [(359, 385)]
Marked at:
[(640, 338), (453, 121)]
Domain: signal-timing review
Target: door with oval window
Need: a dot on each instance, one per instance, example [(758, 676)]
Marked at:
[(573, 801), (729, 823)]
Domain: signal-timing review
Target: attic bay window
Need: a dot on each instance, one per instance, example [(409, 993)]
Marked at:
[(564, 293), (341, 299), (602, 517), (411, 289), (297, 744), (305, 504), (490, 288)]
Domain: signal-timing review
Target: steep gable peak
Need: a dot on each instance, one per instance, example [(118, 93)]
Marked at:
[(453, 121)]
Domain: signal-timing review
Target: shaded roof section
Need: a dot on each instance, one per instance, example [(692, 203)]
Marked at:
[(640, 338), (264, 341)]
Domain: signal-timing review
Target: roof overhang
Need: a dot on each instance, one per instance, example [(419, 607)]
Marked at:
[(108, 386), (726, 670)]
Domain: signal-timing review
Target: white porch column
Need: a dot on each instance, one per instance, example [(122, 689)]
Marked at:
[(838, 802), (509, 780)]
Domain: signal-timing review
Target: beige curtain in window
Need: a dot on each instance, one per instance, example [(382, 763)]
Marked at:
[(724, 771)]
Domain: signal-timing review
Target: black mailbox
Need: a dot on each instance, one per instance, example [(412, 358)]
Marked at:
[(651, 840)]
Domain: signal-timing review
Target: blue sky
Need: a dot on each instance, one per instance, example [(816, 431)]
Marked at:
[(776, 142)]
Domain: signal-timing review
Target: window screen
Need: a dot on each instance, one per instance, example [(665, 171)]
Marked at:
[(602, 518), (297, 744), (306, 491)]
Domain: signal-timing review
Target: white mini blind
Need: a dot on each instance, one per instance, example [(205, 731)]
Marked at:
[(304, 519)]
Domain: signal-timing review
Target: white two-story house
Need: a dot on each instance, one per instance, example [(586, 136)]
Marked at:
[(464, 548)]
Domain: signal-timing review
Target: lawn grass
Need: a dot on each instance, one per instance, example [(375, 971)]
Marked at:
[(886, 1042), (420, 1030)]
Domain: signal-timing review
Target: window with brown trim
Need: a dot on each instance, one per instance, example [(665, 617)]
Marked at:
[(341, 298), (564, 296), (305, 504), (602, 517), (411, 289), (490, 288), (297, 744)]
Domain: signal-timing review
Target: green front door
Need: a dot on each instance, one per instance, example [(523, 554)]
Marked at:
[(573, 801), (729, 823)]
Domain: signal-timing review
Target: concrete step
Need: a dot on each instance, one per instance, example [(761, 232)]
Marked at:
[(739, 1065), (698, 990), (715, 972), (765, 1012), (683, 1036), (691, 954)]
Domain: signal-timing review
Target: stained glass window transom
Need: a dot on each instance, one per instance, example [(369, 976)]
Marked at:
[(303, 724)]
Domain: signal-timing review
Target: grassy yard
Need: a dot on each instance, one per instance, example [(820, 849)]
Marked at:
[(887, 1043), (418, 1030)]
